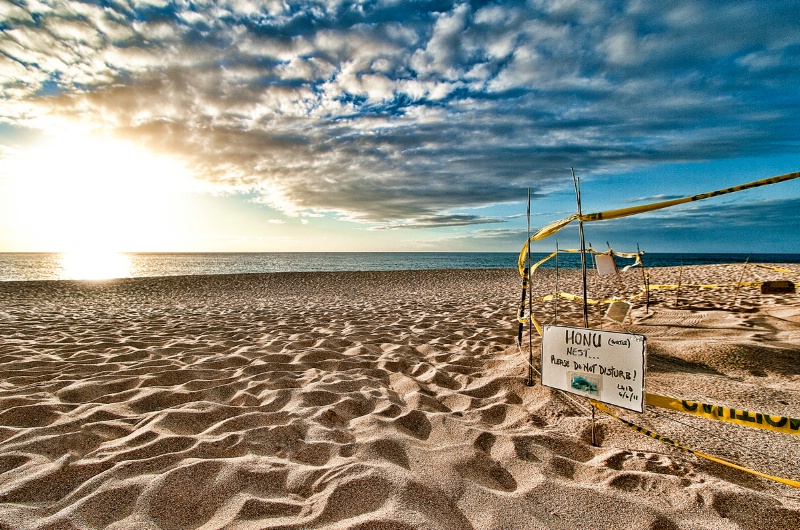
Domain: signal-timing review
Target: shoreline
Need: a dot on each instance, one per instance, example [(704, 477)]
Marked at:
[(54, 266), (378, 400)]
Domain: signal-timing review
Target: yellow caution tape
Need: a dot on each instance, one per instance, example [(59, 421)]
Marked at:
[(776, 269), (522, 318), (757, 420), (523, 303), (654, 287), (603, 408), (574, 297), (554, 227), (523, 257), (634, 210), (536, 325), (644, 290)]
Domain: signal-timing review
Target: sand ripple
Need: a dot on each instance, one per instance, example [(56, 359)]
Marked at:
[(366, 400)]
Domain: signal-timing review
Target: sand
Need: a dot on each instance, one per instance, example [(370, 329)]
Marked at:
[(385, 400)]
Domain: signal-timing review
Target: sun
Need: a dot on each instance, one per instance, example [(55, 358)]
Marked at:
[(87, 193), (96, 265)]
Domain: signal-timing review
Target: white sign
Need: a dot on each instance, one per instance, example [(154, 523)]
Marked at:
[(605, 264), (618, 311), (603, 365)]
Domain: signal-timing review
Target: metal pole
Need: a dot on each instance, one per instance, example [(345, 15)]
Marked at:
[(577, 183)]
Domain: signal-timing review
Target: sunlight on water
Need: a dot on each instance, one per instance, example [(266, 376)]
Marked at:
[(94, 266)]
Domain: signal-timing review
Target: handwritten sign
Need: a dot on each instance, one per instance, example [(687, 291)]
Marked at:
[(602, 365)]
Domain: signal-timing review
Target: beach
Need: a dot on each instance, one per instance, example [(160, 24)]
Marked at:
[(385, 400)]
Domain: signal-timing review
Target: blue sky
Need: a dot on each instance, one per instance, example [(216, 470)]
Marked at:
[(386, 125)]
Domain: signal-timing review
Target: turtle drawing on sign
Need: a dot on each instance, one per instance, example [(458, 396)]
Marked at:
[(583, 384)]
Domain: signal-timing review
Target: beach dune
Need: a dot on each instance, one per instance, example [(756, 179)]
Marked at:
[(381, 400)]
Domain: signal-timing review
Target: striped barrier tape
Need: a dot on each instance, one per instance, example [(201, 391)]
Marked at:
[(523, 259), (554, 227), (757, 420), (634, 210), (602, 407), (523, 317), (590, 301), (653, 287), (776, 269)]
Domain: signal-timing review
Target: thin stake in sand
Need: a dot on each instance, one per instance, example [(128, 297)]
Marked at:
[(530, 300), (646, 282), (739, 283), (577, 183), (555, 298)]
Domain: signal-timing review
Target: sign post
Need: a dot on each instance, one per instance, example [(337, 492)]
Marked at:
[(602, 365)]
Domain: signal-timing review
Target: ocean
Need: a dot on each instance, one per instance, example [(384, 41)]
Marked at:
[(56, 266)]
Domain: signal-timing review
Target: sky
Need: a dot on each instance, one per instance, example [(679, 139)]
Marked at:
[(392, 125)]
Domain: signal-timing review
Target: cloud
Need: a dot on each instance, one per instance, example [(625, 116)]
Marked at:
[(724, 226), (707, 227), (442, 220), (398, 114), (652, 198)]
